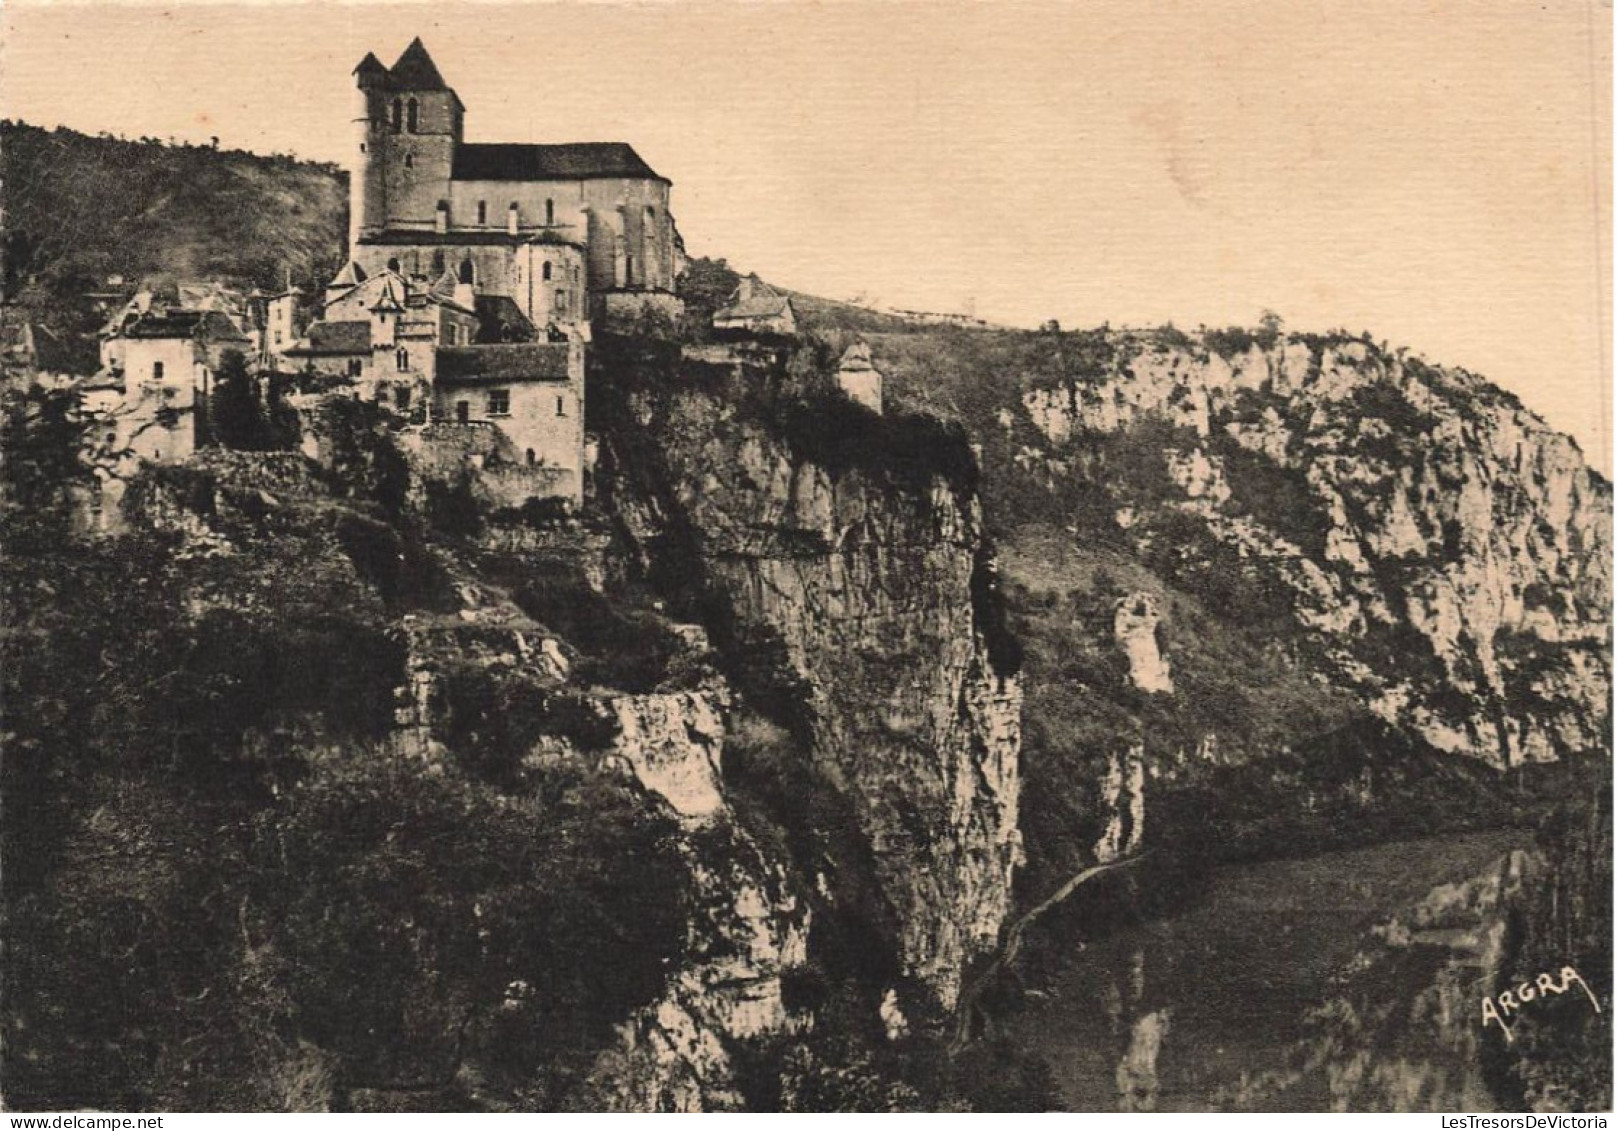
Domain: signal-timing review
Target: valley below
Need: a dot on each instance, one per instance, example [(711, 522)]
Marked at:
[(1349, 981)]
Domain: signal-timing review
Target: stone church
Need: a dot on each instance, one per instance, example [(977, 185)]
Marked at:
[(567, 232)]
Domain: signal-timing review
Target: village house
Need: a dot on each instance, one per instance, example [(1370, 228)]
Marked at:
[(516, 410), (31, 353), (756, 309), (381, 333), (158, 365)]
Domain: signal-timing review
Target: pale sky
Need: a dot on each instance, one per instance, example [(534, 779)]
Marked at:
[(1429, 170)]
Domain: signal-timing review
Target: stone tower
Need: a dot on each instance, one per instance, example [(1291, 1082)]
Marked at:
[(408, 125), (367, 192)]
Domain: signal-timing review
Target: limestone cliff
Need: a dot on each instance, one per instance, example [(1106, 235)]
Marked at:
[(1320, 589), (1447, 551), (861, 594)]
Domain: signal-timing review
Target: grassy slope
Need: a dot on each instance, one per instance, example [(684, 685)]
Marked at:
[(80, 208)]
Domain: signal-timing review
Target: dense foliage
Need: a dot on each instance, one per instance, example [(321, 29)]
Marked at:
[(224, 887), (82, 208)]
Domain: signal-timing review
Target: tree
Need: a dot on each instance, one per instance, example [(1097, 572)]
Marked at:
[(235, 413), (41, 465)]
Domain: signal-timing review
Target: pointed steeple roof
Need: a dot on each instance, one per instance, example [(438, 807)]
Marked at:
[(351, 275), (445, 286), (415, 69), (370, 67), (388, 301)]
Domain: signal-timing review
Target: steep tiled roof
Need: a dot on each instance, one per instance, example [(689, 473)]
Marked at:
[(370, 66), (571, 162), (755, 298), (210, 325), (335, 338), (351, 275), (857, 359), (477, 365), (415, 69), (500, 319), (444, 288)]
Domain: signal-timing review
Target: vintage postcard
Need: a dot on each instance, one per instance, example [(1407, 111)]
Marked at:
[(806, 557)]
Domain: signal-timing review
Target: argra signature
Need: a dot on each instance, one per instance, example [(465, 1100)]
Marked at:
[(1511, 1001)]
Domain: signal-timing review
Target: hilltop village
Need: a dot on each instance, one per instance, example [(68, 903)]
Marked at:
[(476, 278)]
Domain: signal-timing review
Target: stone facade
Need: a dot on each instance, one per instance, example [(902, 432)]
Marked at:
[(424, 198), (858, 377), (382, 334), (158, 364), (533, 395)]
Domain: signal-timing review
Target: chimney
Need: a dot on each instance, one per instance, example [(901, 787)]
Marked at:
[(511, 215)]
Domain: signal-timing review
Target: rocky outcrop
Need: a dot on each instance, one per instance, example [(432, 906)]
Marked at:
[(855, 589), (673, 744), (1134, 625), (1447, 554), (745, 931)]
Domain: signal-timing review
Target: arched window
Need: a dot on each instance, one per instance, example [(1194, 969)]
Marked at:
[(393, 264), (550, 212), (628, 270), (467, 274), (398, 115), (402, 360), (413, 116), (545, 271), (482, 212), (409, 160), (157, 371)]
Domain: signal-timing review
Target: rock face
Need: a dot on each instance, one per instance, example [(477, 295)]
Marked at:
[(746, 929), (1135, 627), (673, 743), (857, 591), (1447, 554)]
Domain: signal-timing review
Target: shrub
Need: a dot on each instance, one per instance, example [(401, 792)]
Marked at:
[(621, 646)]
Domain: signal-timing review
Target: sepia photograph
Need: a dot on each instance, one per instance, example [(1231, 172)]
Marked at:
[(790, 557)]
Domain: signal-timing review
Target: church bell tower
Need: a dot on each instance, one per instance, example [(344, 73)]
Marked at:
[(367, 186), (407, 126)]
